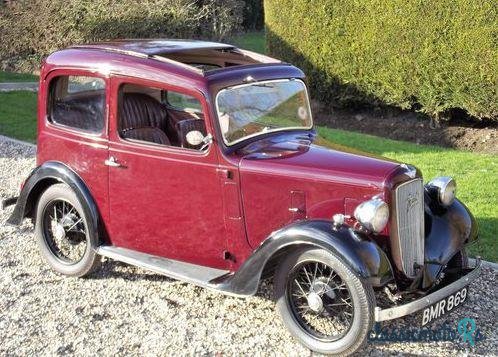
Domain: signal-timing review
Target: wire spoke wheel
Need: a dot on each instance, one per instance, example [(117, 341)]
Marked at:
[(64, 231), (320, 300)]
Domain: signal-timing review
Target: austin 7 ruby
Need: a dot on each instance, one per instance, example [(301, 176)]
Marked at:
[(200, 161)]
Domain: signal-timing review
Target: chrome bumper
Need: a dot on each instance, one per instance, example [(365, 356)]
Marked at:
[(414, 306)]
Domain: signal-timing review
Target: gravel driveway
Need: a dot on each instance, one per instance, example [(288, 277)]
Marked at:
[(125, 310)]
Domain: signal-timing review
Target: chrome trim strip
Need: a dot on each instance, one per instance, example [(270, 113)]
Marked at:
[(414, 306)]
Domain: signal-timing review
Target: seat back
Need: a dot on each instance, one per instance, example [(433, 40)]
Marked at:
[(83, 112), (140, 110)]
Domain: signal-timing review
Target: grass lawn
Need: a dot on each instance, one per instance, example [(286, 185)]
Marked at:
[(252, 41), (6, 77), (476, 174), (18, 115)]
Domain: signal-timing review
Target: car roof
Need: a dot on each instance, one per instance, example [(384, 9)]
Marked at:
[(171, 60), (191, 54), (153, 47)]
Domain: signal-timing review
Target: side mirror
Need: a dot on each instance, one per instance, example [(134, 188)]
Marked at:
[(194, 138), (207, 140)]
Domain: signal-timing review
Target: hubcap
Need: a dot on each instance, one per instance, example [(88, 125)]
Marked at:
[(59, 231), (315, 302)]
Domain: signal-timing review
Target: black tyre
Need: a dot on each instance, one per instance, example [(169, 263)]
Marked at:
[(61, 229), (323, 303)]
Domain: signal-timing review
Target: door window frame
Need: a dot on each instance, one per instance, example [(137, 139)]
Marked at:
[(117, 81), (61, 128)]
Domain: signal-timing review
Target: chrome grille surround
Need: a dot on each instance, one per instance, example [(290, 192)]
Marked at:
[(408, 225)]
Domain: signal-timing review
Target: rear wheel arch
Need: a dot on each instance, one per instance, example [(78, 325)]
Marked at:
[(46, 175), (35, 194)]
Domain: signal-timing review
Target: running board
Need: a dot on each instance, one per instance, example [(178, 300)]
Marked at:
[(191, 273)]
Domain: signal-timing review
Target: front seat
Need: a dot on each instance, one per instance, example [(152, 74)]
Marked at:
[(139, 110)]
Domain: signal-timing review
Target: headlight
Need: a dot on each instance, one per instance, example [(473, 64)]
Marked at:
[(443, 189), (373, 214)]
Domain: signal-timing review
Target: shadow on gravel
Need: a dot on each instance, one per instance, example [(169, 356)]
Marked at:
[(116, 269)]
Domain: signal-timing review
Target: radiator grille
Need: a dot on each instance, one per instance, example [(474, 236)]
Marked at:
[(409, 206)]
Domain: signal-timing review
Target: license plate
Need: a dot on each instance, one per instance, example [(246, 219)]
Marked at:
[(441, 307)]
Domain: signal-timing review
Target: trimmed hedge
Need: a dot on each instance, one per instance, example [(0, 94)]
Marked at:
[(433, 55), (34, 28)]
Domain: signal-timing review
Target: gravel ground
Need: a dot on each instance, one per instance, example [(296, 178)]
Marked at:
[(10, 87), (125, 310)]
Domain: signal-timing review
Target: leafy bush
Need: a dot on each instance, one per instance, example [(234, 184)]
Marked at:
[(253, 15), (433, 55), (34, 28)]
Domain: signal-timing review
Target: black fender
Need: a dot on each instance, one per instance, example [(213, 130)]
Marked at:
[(363, 255), (448, 231), (41, 177)]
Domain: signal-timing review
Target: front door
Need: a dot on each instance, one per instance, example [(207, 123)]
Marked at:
[(164, 191)]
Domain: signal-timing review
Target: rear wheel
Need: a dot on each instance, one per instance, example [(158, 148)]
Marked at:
[(61, 228), (323, 303)]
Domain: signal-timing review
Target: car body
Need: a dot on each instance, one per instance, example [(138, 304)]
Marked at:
[(223, 203)]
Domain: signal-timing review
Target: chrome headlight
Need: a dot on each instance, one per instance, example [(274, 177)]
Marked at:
[(373, 214), (443, 189)]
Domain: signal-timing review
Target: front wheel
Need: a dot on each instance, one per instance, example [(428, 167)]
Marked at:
[(323, 303)]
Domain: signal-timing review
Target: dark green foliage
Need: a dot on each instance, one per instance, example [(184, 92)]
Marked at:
[(253, 15), (431, 55), (34, 28)]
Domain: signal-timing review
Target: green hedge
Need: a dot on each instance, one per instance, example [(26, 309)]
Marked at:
[(30, 29), (432, 55)]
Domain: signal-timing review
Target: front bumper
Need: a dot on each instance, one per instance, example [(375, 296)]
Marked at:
[(419, 304)]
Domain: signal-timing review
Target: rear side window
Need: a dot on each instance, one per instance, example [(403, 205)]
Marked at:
[(77, 102)]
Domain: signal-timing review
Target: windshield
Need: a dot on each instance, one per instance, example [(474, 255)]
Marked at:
[(251, 109)]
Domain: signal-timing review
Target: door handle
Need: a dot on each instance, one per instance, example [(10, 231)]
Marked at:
[(112, 162)]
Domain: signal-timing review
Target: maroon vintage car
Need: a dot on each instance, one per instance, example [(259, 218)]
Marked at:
[(199, 160)]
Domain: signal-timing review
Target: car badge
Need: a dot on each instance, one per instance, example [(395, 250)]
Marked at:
[(411, 202)]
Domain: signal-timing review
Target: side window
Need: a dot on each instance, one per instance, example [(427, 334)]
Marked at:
[(77, 102), (160, 117), (181, 101)]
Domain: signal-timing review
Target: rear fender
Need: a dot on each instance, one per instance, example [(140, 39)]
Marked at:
[(52, 172)]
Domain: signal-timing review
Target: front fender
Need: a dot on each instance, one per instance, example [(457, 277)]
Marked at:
[(364, 256), (447, 232), (45, 175)]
